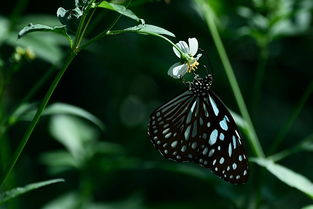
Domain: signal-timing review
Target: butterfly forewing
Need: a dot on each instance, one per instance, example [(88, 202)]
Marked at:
[(197, 127)]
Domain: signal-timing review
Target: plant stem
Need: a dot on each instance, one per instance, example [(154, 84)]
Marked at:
[(286, 127), (259, 76), (253, 139), (105, 32), (28, 96), (301, 147), (86, 26), (36, 118), (71, 55)]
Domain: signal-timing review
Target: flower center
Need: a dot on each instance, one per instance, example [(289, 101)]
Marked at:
[(192, 66)]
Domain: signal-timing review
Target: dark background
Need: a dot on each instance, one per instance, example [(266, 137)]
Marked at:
[(122, 79)]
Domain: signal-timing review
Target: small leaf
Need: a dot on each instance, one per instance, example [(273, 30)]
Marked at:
[(5, 196), (44, 28), (287, 176), (145, 29), (20, 112), (120, 9), (81, 3), (70, 18)]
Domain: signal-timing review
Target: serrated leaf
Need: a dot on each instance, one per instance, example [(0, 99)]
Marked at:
[(145, 29), (120, 9), (5, 196), (43, 28), (287, 176)]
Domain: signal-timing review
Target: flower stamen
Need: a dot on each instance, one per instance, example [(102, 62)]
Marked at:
[(193, 66)]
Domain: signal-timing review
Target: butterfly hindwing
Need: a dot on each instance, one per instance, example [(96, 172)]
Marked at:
[(197, 127)]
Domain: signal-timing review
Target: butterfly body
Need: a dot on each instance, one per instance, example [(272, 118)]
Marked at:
[(197, 127)]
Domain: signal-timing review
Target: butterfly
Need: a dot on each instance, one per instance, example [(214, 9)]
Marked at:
[(197, 127)]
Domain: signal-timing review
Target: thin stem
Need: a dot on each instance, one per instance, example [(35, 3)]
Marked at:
[(45, 100), (36, 118), (253, 139), (105, 32), (259, 76), (301, 147), (86, 26), (115, 32), (293, 116), (6, 121)]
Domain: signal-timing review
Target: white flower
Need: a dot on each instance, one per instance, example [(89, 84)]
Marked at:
[(188, 62)]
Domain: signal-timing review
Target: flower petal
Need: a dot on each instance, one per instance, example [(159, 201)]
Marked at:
[(177, 70), (176, 51), (193, 46), (183, 46), (198, 56)]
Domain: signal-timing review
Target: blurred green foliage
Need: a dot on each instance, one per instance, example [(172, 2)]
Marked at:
[(93, 133)]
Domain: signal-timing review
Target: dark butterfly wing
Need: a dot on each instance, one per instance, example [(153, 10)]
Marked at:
[(167, 127), (200, 129), (225, 146)]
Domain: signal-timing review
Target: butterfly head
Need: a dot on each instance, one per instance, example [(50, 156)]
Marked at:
[(201, 85)]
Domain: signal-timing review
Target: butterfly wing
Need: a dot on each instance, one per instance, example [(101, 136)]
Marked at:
[(167, 127), (200, 129), (227, 158)]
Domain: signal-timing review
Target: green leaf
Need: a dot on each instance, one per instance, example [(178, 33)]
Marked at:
[(62, 108), (4, 25), (20, 112), (5, 196), (81, 3), (287, 176), (145, 29), (74, 134), (308, 207), (27, 112), (120, 9), (70, 18), (59, 161), (239, 120), (43, 28), (68, 201)]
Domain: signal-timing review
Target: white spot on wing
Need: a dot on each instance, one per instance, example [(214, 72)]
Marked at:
[(183, 149), (234, 142), (168, 135), (229, 149), (211, 152), (187, 132), (215, 109), (222, 136), (194, 145), (213, 137), (223, 124), (174, 144)]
